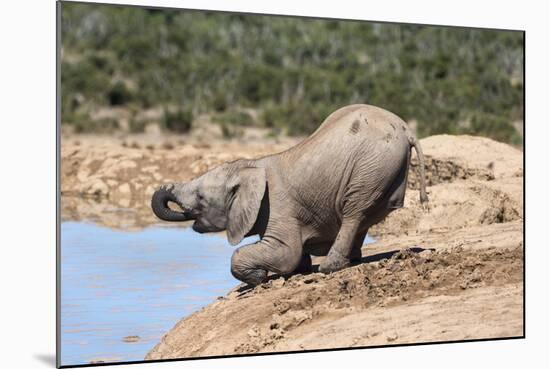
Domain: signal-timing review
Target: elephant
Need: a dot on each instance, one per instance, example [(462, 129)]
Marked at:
[(320, 197)]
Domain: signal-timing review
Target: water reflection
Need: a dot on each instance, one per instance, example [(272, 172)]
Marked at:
[(119, 283), (134, 214)]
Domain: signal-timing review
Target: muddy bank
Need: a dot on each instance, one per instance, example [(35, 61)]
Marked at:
[(413, 296), (451, 271)]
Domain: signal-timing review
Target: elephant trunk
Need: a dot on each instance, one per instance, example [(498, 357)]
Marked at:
[(159, 204)]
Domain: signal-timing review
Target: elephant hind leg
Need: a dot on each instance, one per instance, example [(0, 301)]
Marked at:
[(340, 252), (356, 255)]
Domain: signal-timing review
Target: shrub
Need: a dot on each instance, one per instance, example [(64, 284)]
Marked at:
[(231, 131), (119, 94), (295, 70), (297, 119), (235, 118), (495, 127), (179, 121), (83, 124), (219, 102), (136, 126)]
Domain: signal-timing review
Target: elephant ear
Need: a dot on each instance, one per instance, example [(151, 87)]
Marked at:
[(246, 188)]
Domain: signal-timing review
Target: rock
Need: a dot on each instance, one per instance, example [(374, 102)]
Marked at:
[(124, 189), (253, 332), (153, 129), (83, 174), (126, 164), (131, 339), (97, 187), (278, 283)]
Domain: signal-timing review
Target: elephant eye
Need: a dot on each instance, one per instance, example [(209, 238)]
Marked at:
[(200, 198)]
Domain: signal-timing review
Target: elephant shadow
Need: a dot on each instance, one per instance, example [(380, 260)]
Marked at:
[(378, 257), (387, 255), (244, 288)]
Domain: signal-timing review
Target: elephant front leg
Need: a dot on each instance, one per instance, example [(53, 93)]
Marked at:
[(251, 263), (245, 268), (340, 253)]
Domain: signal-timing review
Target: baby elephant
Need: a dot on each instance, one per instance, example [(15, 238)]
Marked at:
[(317, 198)]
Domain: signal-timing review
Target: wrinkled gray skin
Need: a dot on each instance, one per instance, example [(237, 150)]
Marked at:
[(318, 198)]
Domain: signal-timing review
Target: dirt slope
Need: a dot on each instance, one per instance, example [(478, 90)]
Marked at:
[(410, 297), (450, 272)]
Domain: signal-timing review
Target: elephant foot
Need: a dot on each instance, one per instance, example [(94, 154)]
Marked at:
[(333, 262), (305, 266), (254, 277)]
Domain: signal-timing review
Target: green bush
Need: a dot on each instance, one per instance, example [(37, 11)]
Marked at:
[(219, 103), (179, 121), (297, 119), (293, 70), (136, 126), (234, 117), (231, 131), (119, 94), (82, 124), (495, 127)]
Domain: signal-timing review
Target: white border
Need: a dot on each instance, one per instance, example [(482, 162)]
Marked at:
[(27, 184)]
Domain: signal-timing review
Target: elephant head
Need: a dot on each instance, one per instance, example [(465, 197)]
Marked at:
[(225, 198)]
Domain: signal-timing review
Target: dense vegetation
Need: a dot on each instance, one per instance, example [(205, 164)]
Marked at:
[(292, 71)]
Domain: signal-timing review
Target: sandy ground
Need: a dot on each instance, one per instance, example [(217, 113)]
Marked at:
[(414, 296), (450, 271)]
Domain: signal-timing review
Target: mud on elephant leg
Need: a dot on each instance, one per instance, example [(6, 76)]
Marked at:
[(251, 263)]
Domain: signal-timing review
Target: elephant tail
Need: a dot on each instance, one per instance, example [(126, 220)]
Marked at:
[(414, 143)]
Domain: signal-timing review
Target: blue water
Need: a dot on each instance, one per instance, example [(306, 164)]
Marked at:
[(118, 283)]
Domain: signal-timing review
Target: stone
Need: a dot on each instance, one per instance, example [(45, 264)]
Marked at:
[(83, 174), (124, 189), (131, 339), (97, 187)]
